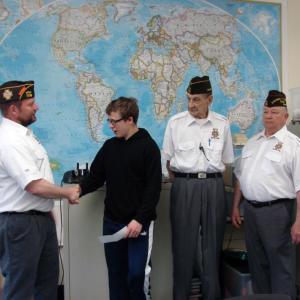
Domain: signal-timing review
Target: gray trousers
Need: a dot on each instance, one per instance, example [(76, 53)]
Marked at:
[(271, 253), (198, 216), (29, 257)]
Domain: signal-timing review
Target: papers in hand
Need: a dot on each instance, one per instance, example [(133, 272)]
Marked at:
[(119, 235)]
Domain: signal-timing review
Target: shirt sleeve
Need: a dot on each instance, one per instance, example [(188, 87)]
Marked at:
[(21, 164), (152, 187), (237, 167), (227, 155), (296, 169), (168, 147), (96, 176)]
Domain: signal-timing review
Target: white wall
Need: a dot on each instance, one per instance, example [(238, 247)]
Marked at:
[(293, 43)]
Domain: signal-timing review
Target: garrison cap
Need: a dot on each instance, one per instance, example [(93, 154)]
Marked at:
[(275, 98), (199, 85), (16, 91)]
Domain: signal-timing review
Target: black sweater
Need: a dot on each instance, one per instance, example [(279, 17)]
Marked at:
[(132, 172)]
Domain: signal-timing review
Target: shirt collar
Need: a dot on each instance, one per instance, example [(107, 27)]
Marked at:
[(191, 119), (16, 127), (279, 135)]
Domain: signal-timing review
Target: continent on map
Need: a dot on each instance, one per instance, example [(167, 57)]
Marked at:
[(76, 28), (169, 45), (243, 114), (96, 97)]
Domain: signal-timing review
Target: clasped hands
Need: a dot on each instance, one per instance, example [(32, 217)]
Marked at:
[(73, 194)]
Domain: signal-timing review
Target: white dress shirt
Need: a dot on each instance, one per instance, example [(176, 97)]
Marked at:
[(195, 145), (269, 167), (22, 160)]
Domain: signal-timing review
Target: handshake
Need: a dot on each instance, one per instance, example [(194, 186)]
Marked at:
[(73, 193)]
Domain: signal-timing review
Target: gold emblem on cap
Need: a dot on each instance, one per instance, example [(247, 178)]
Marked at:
[(280, 100), (28, 94), (278, 146), (215, 133), (7, 94)]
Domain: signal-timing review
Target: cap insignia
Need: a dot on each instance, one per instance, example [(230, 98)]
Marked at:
[(7, 94)]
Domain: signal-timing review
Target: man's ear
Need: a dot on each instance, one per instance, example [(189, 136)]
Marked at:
[(13, 109), (130, 119)]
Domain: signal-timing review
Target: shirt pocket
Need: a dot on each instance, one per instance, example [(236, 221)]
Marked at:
[(187, 152), (186, 146), (247, 154), (270, 163), (214, 150)]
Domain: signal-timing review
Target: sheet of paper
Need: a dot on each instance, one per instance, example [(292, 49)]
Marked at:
[(119, 235)]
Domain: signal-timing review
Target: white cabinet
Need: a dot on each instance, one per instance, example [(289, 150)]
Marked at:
[(85, 273)]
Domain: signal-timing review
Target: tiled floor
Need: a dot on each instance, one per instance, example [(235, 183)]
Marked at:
[(234, 238)]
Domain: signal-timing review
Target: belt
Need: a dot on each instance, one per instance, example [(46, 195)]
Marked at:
[(29, 212), (267, 203), (200, 175)]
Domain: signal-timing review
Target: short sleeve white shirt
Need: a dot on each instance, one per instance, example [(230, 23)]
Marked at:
[(193, 146), (22, 160), (269, 167)]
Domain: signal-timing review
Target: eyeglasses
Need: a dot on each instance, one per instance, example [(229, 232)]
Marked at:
[(114, 122)]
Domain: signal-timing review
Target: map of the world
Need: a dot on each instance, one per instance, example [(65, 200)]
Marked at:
[(82, 54)]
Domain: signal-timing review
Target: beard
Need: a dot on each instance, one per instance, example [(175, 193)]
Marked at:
[(28, 121)]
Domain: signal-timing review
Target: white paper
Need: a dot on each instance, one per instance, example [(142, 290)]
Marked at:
[(119, 235)]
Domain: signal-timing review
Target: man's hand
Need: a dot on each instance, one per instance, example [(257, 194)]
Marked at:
[(295, 233), (134, 229), (73, 194), (170, 172), (235, 211), (236, 217)]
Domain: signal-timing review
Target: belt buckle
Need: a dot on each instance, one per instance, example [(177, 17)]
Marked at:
[(201, 175)]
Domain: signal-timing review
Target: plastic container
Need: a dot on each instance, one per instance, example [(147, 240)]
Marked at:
[(235, 275)]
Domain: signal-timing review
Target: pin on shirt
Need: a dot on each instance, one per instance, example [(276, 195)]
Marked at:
[(215, 133), (278, 146)]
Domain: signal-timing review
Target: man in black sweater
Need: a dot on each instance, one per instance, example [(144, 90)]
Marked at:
[(130, 166)]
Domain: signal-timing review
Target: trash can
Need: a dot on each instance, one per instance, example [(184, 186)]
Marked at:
[(235, 275)]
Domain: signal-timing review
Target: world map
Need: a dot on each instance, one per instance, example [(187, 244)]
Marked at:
[(84, 53)]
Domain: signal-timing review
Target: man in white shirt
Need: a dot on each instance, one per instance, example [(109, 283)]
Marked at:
[(197, 145), (268, 173), (28, 240)]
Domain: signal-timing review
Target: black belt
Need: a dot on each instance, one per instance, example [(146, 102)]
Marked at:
[(267, 203), (200, 175), (29, 212)]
